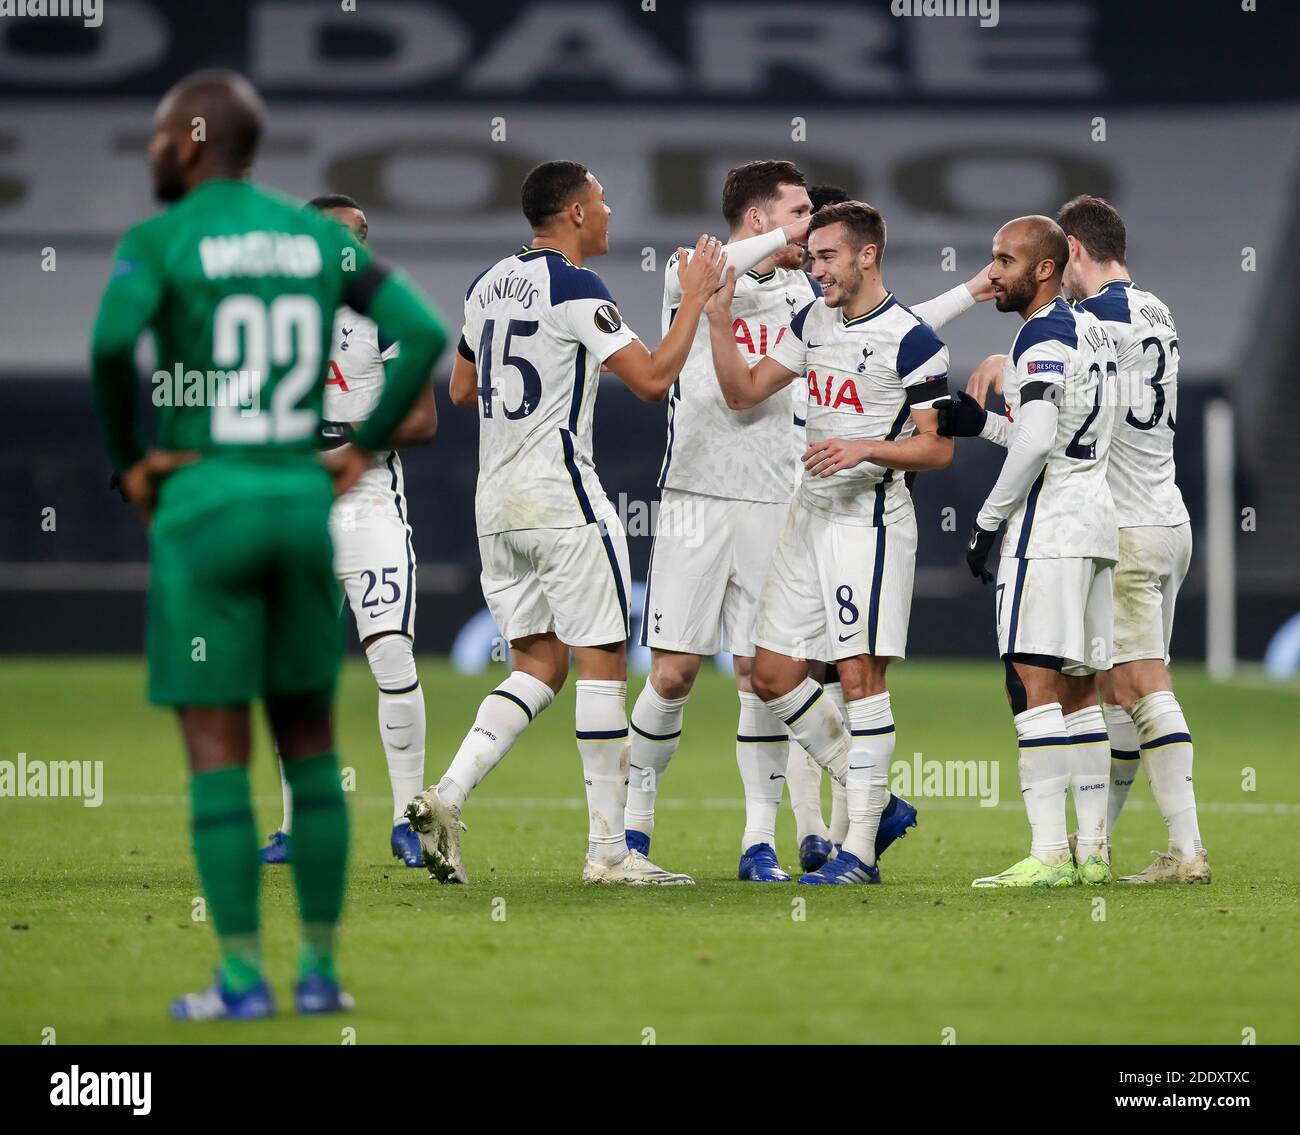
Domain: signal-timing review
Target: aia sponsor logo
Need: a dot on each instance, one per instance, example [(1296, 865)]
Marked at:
[(751, 344), (832, 392)]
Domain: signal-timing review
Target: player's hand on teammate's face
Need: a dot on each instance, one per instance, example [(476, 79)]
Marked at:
[(796, 231), (987, 376), (699, 275), (979, 286), (719, 305), (826, 458), (345, 465)]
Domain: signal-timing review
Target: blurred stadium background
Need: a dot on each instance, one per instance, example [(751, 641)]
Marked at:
[(429, 113)]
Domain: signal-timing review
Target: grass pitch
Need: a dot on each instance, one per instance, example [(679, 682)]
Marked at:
[(96, 934)]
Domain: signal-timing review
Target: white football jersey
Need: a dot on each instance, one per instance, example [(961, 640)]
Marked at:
[(1141, 471), (355, 380), (1068, 512), (864, 377), (712, 449), (538, 328)]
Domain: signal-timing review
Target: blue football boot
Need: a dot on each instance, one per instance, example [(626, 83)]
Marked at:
[(276, 849), (898, 816), (405, 844), (758, 865), (314, 995), (814, 851), (217, 1003), (844, 868), (638, 841)]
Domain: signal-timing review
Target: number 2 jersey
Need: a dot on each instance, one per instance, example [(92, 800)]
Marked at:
[(538, 328), (1141, 471), (1063, 354)]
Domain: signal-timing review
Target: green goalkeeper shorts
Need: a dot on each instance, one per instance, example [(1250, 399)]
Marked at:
[(243, 603)]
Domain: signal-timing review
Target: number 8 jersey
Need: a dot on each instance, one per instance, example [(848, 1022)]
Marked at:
[(1063, 354), (538, 328)]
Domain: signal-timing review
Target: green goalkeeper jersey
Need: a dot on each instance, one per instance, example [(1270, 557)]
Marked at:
[(239, 287)]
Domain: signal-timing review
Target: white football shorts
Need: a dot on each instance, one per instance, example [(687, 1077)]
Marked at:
[(373, 556), (1060, 608), (1152, 566), (837, 590), (707, 566), (573, 581)]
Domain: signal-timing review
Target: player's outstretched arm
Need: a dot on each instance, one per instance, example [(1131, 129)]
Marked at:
[(952, 303), (923, 450), (742, 386), (401, 314), (650, 374)]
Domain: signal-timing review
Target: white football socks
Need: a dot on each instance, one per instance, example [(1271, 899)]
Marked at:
[(601, 722), (816, 724), (1124, 760), (762, 755), (502, 716), (401, 716), (1167, 757), (871, 726), (1089, 757), (839, 796), (1044, 780), (803, 776), (656, 733)]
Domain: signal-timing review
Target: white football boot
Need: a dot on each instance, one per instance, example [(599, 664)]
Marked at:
[(439, 830), (1168, 869), (635, 871)]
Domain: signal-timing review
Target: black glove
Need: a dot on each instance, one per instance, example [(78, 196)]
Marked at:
[(960, 416), (978, 547), (334, 434)]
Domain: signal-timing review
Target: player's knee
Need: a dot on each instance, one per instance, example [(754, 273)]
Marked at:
[(1017, 698), (673, 675), (392, 662)]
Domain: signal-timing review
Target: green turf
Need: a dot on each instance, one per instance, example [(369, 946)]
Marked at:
[(96, 933)]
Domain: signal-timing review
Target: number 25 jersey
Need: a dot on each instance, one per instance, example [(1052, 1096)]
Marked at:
[(538, 328)]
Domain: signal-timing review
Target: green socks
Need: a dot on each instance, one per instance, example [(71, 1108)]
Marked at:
[(320, 856), (225, 850)]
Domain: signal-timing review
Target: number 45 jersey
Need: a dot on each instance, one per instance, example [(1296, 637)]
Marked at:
[(538, 328), (1141, 471), (1063, 353)]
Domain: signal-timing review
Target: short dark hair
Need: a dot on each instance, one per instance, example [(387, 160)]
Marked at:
[(863, 224), (1096, 224), (333, 201), (824, 194), (549, 187), (756, 183)]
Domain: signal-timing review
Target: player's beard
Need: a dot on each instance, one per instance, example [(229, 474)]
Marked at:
[(1018, 293), (168, 183), (846, 287), (791, 256)]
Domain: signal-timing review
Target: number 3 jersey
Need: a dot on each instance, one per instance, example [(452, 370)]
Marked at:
[(865, 376), (1141, 470), (538, 328), (1063, 354)]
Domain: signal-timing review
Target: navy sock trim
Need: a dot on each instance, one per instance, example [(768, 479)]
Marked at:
[(518, 701)]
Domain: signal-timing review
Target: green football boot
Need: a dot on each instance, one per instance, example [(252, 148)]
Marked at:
[(1031, 872)]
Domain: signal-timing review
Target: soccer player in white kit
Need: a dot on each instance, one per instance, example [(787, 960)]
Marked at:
[(373, 557), (538, 327), (840, 583), (1143, 716), (726, 482), (1053, 594)]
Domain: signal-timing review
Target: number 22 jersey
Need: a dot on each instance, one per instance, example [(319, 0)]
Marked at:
[(538, 328)]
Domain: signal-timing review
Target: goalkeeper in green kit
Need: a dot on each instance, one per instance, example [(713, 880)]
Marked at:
[(239, 287)]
